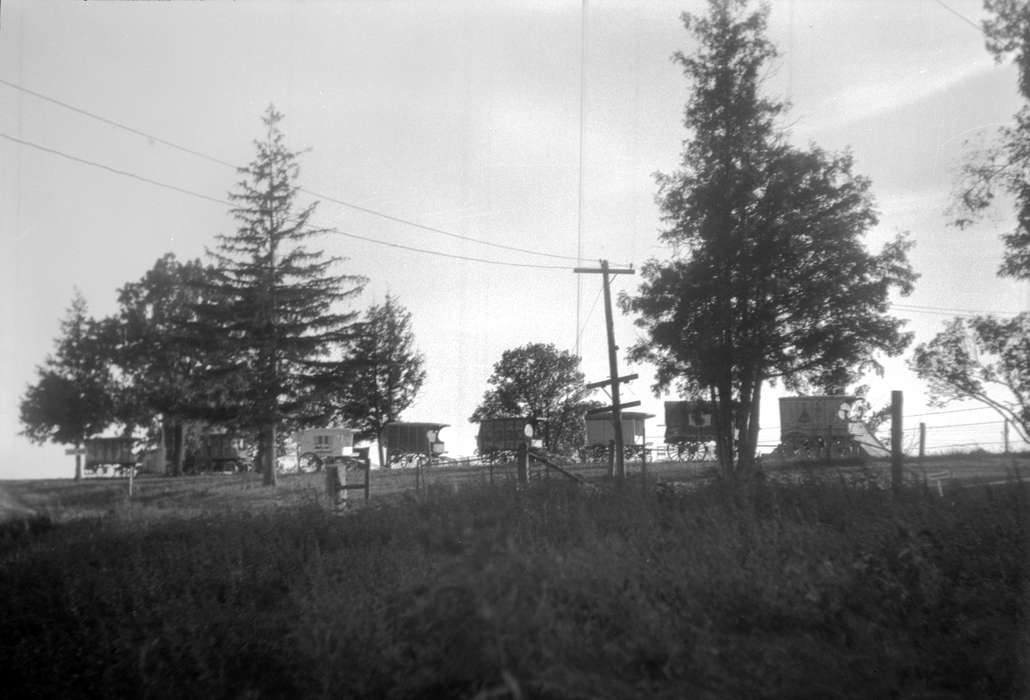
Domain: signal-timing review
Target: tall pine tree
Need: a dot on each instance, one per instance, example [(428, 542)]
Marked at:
[(768, 279), (274, 322)]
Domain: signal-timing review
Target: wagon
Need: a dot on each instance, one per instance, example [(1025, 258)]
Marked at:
[(115, 452), (222, 452), (690, 429), (411, 444), (600, 434), (498, 436), (316, 446), (823, 427)]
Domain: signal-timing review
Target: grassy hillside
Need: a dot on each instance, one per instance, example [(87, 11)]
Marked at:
[(223, 589)]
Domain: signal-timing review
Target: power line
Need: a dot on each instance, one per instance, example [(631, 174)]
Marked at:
[(965, 425), (948, 311), (112, 122), (318, 195), (953, 410), (587, 320), (424, 227), (579, 198), (124, 173), (961, 16), (439, 253), (182, 190)]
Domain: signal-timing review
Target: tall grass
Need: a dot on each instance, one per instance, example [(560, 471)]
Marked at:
[(818, 590)]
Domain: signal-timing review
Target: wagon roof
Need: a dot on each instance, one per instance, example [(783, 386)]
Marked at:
[(625, 414)]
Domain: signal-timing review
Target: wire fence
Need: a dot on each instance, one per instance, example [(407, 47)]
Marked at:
[(936, 432)]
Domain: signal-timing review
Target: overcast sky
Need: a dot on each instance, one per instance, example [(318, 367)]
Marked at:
[(464, 117)]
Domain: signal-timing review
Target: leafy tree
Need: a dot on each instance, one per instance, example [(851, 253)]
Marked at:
[(159, 364), (71, 398), (539, 382), (1004, 165), (768, 279), (270, 313), (388, 370), (984, 359)]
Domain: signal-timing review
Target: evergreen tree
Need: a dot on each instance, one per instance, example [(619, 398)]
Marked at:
[(768, 279), (272, 320), (72, 398), (388, 371)]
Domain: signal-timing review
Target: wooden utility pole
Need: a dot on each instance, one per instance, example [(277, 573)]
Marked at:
[(613, 366), (897, 458)]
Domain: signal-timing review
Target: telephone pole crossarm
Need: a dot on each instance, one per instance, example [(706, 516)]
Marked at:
[(606, 382)]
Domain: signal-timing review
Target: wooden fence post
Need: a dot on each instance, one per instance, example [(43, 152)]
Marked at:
[(897, 458)]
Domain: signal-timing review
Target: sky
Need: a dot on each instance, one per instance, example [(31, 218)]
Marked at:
[(532, 125)]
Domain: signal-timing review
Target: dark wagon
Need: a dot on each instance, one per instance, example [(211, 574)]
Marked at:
[(412, 444), (116, 453), (690, 429)]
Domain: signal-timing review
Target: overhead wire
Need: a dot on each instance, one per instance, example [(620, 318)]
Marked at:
[(216, 200), (587, 319), (110, 169), (312, 193), (940, 310), (961, 16)]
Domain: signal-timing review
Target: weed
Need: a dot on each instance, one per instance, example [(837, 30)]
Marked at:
[(816, 589)]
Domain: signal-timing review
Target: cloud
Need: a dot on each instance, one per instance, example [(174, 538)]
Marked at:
[(884, 89)]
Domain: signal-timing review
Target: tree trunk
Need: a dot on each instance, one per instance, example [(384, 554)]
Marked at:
[(748, 436), (79, 446), (178, 447), (724, 428), (379, 447), (268, 442)]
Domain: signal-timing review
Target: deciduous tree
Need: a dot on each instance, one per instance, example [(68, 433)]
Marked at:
[(159, 364), (768, 278), (1003, 165), (985, 359), (539, 382)]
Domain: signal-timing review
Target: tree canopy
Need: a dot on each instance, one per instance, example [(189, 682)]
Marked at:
[(159, 365), (71, 399), (985, 359), (387, 372), (768, 277), (271, 315), (1003, 166), (539, 382)]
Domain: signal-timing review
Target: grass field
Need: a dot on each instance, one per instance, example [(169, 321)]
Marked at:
[(218, 587)]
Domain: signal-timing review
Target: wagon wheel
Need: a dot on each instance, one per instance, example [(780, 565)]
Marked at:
[(310, 462), (796, 445)]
